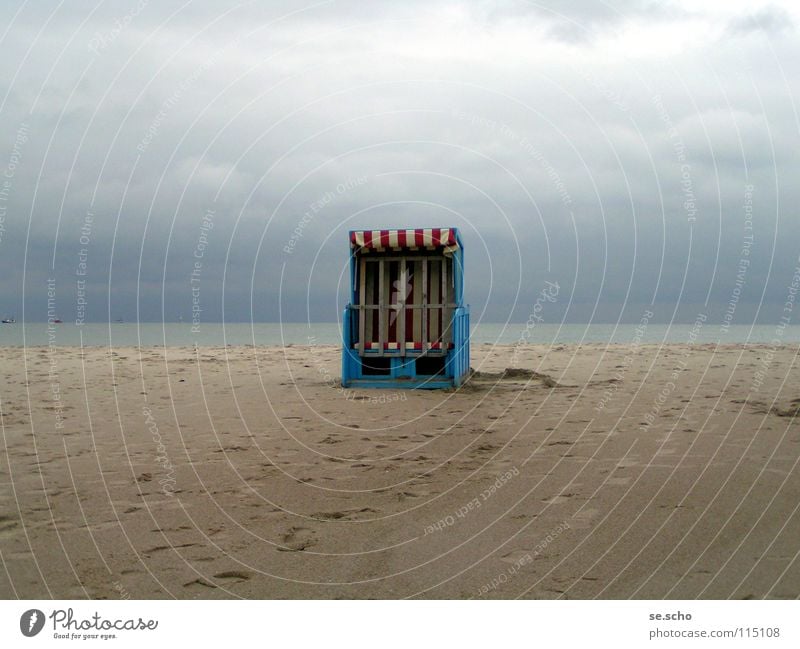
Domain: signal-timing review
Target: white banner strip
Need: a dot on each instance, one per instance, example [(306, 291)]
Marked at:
[(378, 624)]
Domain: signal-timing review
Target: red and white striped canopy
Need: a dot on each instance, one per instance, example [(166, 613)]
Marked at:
[(420, 238)]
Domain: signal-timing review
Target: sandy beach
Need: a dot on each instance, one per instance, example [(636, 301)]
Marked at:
[(613, 472)]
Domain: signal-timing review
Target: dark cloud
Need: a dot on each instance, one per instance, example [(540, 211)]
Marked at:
[(770, 19), (621, 176)]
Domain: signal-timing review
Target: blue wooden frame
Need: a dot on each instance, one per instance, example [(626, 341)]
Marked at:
[(403, 369)]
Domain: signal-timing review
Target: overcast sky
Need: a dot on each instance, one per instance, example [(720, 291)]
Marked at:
[(641, 155)]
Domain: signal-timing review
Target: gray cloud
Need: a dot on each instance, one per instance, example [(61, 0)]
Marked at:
[(577, 21), (769, 19), (621, 177)]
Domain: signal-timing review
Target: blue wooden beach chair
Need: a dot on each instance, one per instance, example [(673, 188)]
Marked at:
[(406, 325)]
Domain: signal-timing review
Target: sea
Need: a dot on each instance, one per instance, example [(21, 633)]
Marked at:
[(176, 334)]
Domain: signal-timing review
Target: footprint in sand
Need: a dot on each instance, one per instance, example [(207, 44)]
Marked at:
[(583, 519), (228, 449), (162, 548), (561, 498), (239, 575), (101, 527), (347, 514), (409, 494), (517, 556), (330, 440), (199, 582), (296, 539), (7, 525)]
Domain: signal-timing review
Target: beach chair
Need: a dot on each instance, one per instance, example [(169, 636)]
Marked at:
[(406, 325)]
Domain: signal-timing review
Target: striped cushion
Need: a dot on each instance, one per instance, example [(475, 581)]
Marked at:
[(420, 238), (412, 346)]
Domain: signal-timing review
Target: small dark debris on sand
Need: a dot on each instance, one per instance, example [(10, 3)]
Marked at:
[(793, 410)]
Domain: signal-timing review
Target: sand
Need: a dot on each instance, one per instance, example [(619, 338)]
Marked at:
[(611, 472)]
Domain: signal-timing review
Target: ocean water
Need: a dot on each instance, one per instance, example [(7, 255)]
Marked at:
[(173, 334)]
